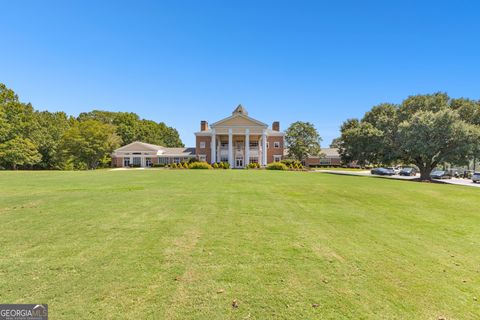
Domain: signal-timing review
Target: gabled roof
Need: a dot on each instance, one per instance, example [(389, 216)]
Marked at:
[(331, 152), (239, 113), (142, 145), (161, 151), (178, 152)]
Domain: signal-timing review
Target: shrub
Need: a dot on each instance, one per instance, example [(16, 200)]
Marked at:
[(200, 165), (253, 166), (173, 165), (277, 166), (215, 165), (158, 165), (226, 165), (291, 163)]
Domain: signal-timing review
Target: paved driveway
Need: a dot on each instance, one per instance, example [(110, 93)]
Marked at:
[(366, 173)]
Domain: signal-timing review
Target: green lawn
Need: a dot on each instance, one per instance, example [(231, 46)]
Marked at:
[(165, 244)]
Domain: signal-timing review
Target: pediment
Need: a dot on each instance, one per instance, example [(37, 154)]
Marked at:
[(239, 120)]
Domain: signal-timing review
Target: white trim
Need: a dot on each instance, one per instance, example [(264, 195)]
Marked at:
[(247, 146), (238, 115), (230, 148), (213, 147), (264, 147)]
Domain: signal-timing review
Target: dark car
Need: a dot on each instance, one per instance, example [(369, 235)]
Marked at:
[(383, 172), (440, 174), (408, 172)]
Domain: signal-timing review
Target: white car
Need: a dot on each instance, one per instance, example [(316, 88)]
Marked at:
[(476, 177)]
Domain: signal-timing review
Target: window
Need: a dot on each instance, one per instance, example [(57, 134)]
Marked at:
[(224, 159), (137, 161), (202, 157), (162, 160), (126, 162), (176, 160), (239, 145), (254, 160), (253, 144), (325, 161), (277, 158), (224, 145), (202, 144), (276, 144)]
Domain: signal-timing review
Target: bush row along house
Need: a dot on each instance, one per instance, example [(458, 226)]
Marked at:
[(238, 140)]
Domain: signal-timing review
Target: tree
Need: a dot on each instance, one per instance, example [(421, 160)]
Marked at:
[(302, 140), (50, 128), (359, 143), (336, 143), (131, 128), (431, 138), (425, 130), (87, 143), (18, 152)]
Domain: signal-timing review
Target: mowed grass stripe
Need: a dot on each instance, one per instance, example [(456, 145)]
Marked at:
[(165, 244)]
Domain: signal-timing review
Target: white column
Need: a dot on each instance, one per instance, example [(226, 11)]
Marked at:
[(247, 147), (264, 147), (213, 147), (230, 148)]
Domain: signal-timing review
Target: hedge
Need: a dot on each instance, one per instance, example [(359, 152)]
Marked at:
[(200, 165), (277, 166)]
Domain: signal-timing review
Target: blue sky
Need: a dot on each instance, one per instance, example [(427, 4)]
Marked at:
[(185, 61)]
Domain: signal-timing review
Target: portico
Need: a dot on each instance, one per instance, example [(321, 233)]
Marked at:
[(238, 140)]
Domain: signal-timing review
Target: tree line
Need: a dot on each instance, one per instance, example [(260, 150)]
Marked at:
[(424, 130), (32, 139)]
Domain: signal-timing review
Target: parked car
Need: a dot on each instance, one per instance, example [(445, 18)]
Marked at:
[(408, 172), (383, 171), (440, 174), (476, 177), (396, 170)]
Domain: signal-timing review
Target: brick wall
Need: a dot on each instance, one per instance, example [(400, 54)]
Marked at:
[(271, 151), (206, 151), (117, 162)]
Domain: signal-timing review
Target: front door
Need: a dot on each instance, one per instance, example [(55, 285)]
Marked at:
[(239, 163)]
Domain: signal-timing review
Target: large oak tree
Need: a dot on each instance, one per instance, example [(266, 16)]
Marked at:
[(425, 130)]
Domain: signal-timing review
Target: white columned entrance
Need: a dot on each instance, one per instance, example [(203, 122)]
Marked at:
[(213, 147), (230, 148), (247, 147), (264, 147)]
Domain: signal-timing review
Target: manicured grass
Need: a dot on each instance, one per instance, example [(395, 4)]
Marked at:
[(184, 244)]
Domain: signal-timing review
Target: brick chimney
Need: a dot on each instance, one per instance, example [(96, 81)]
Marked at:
[(203, 125), (276, 126)]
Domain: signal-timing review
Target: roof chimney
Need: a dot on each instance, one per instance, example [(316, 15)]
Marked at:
[(203, 125), (276, 126)]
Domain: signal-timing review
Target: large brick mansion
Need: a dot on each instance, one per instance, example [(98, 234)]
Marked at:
[(237, 139)]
